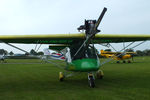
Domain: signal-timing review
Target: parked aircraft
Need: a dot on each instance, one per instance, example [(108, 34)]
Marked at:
[(118, 56), (2, 58), (78, 49), (52, 55)]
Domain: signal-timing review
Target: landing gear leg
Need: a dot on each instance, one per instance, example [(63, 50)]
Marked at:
[(61, 76), (100, 74), (91, 80)]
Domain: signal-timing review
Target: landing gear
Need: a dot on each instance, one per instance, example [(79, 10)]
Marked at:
[(91, 80), (61, 76), (129, 61), (118, 62), (124, 61), (99, 74)]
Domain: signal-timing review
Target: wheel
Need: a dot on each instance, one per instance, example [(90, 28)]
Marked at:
[(118, 62), (100, 74), (61, 76), (91, 80), (124, 61), (129, 61)]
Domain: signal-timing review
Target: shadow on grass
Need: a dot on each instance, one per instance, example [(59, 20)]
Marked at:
[(43, 85), (70, 84)]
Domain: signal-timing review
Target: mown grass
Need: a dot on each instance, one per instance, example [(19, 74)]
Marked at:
[(40, 82)]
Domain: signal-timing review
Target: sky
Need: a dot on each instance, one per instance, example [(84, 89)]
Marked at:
[(19, 17)]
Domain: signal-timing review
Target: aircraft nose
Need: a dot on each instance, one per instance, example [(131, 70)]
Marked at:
[(89, 65)]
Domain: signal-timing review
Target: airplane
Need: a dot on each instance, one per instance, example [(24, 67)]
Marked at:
[(2, 58), (52, 56), (118, 55), (78, 49)]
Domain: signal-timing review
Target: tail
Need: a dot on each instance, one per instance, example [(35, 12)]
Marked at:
[(58, 56), (102, 51)]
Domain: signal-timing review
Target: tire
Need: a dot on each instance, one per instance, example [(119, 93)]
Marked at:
[(91, 82), (124, 61), (129, 61), (61, 76), (99, 74), (118, 62)]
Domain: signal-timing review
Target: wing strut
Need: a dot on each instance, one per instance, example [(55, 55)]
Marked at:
[(16, 47)]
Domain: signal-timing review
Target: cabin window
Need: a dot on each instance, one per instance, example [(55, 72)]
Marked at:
[(84, 52)]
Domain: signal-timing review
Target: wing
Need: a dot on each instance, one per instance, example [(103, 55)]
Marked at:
[(42, 39), (70, 38), (117, 38)]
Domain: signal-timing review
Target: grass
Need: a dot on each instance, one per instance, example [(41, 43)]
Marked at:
[(33, 81)]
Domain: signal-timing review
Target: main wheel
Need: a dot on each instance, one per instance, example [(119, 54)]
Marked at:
[(124, 61), (61, 76), (117, 62), (91, 80), (99, 74), (129, 61)]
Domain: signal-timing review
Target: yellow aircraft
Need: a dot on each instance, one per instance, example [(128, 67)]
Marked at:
[(78, 49), (118, 55)]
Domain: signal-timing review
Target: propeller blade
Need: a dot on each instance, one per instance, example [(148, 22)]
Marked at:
[(100, 18), (91, 32)]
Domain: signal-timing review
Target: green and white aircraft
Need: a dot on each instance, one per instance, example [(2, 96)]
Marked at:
[(78, 49)]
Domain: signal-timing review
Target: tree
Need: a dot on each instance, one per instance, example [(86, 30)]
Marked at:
[(139, 53), (11, 53), (146, 52), (33, 52), (40, 53), (2, 51), (129, 50)]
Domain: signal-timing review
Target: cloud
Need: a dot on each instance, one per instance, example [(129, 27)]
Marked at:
[(64, 16)]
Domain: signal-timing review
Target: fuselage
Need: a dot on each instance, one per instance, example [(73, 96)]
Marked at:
[(116, 55), (86, 60), (84, 65)]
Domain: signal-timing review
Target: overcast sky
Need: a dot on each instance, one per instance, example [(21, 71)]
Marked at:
[(64, 16)]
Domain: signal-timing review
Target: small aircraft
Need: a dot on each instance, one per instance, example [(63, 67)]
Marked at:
[(55, 56), (118, 55), (78, 49), (2, 58)]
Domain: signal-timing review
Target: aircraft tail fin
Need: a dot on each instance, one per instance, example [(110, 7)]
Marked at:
[(102, 51)]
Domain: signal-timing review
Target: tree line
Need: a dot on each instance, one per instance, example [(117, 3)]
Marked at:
[(32, 52), (139, 52)]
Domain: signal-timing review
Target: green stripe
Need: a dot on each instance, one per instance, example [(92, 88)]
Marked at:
[(84, 65)]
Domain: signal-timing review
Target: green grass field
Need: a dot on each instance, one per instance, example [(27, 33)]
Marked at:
[(36, 81)]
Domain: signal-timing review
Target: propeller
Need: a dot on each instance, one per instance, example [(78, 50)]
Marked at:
[(100, 18), (93, 28), (90, 28)]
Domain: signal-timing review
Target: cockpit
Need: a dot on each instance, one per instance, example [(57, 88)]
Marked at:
[(84, 52)]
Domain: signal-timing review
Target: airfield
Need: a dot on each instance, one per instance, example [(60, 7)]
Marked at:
[(32, 79)]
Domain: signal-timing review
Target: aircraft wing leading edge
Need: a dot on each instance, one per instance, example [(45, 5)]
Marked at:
[(71, 38)]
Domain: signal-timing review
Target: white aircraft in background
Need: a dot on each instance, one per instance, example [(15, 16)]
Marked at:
[(2, 57), (55, 56)]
